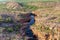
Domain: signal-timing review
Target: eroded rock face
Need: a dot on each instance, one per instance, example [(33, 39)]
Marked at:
[(13, 5)]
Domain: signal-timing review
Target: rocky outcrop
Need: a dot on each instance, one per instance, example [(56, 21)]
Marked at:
[(13, 5)]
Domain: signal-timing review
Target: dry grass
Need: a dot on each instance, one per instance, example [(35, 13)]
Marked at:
[(48, 19)]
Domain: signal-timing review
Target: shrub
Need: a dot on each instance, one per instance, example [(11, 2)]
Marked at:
[(9, 29), (8, 20), (47, 29)]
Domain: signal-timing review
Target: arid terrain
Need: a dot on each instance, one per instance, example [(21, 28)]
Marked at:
[(30, 21), (47, 25)]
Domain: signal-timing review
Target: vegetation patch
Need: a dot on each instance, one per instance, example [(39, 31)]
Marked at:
[(30, 7)]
